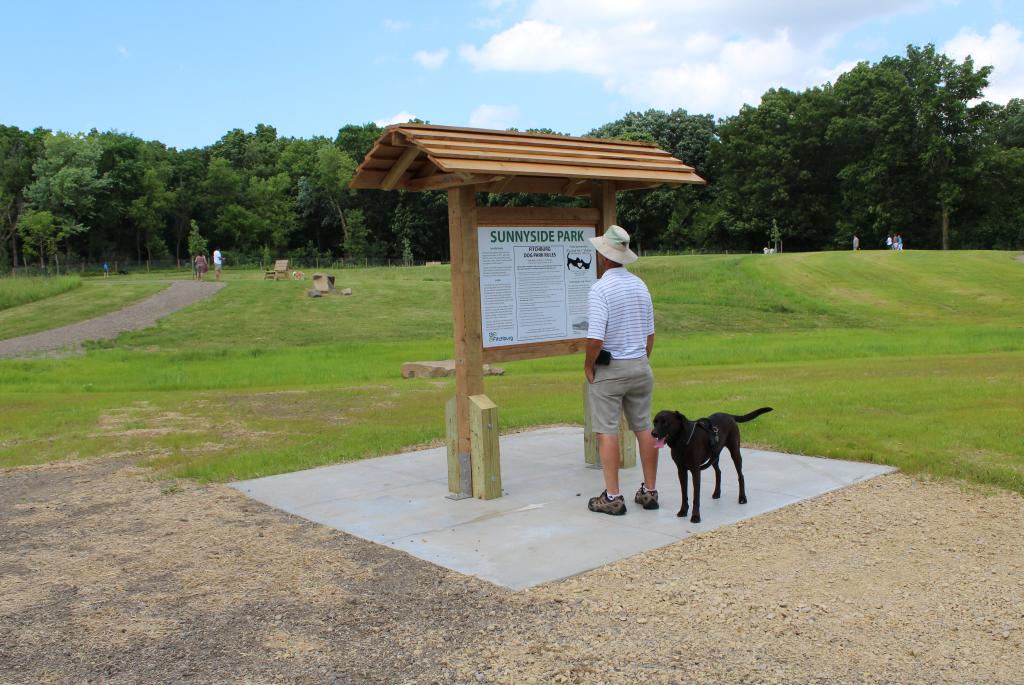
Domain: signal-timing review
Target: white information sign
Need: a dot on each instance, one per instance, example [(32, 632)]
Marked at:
[(534, 283)]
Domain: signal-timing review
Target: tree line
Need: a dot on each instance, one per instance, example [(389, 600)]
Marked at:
[(903, 145)]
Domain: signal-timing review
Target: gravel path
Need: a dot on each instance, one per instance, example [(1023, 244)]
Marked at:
[(139, 315), (109, 576)]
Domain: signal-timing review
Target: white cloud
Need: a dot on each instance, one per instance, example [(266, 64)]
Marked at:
[(498, 10), (395, 26), (514, 50), (485, 23), (123, 51), (1003, 49), (399, 118), (830, 75), (493, 116), (705, 86), (431, 60), (703, 56)]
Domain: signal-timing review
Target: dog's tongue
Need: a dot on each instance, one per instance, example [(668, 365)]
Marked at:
[(659, 442)]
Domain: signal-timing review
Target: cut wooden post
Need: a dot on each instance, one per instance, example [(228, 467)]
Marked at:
[(459, 475), (469, 377), (483, 426), (590, 452)]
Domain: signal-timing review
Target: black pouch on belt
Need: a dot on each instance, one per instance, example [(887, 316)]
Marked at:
[(604, 357)]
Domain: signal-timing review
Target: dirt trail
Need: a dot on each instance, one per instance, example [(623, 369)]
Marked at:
[(109, 576), (139, 315)]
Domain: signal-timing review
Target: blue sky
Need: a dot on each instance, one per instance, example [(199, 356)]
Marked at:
[(187, 72)]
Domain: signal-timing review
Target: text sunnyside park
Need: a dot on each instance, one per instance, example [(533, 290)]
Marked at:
[(912, 359)]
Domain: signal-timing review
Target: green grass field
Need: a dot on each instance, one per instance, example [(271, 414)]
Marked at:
[(914, 359), (19, 291), (83, 300)]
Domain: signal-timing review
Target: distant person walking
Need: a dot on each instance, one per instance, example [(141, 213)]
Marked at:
[(106, 269), (856, 242), (620, 338), (899, 242), (888, 242), (201, 266), (218, 262)]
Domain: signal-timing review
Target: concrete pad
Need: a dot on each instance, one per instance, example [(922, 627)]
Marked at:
[(541, 529)]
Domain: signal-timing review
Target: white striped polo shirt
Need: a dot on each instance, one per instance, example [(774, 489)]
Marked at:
[(621, 314)]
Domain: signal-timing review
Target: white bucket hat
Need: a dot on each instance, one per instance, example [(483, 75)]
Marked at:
[(614, 245)]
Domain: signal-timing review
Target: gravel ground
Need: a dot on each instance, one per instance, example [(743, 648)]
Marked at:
[(108, 576), (139, 315)]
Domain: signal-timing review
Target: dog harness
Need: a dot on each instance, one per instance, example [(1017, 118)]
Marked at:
[(712, 431)]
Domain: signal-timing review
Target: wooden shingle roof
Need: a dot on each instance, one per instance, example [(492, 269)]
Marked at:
[(425, 157)]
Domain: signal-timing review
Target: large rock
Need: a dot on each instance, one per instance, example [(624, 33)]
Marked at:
[(323, 282), (441, 369)]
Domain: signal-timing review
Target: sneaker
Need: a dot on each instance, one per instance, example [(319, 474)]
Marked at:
[(648, 499), (603, 505)]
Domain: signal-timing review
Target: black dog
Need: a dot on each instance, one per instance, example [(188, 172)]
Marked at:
[(696, 445)]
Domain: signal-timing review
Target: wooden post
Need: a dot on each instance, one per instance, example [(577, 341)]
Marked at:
[(483, 422), (603, 199), (607, 204), (591, 455), (451, 436), (469, 376)]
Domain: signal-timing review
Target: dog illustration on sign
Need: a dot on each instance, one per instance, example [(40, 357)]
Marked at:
[(577, 262)]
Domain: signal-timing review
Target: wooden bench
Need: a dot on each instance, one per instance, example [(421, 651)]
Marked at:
[(280, 271)]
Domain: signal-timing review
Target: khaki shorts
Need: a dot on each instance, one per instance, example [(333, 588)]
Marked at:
[(622, 387)]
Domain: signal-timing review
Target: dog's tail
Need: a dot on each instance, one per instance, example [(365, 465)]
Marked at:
[(752, 415)]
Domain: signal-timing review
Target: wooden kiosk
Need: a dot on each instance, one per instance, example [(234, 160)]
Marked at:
[(465, 161)]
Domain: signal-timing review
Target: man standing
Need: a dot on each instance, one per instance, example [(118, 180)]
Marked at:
[(218, 262), (856, 242), (619, 343)]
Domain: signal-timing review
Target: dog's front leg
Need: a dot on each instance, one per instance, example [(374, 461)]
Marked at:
[(695, 517), (682, 485)]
